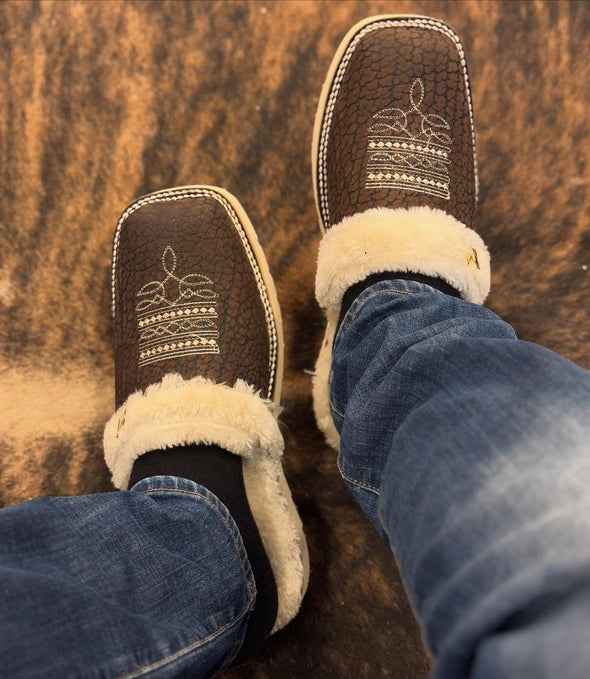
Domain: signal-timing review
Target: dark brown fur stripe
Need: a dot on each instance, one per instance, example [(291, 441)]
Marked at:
[(102, 102)]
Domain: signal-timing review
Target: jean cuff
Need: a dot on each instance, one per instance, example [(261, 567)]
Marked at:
[(154, 485)]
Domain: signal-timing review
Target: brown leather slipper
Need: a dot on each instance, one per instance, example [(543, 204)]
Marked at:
[(199, 356)]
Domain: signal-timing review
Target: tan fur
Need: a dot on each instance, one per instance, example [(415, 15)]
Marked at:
[(64, 401), (419, 239), (320, 384)]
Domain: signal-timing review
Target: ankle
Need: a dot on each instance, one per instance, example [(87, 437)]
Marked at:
[(221, 472)]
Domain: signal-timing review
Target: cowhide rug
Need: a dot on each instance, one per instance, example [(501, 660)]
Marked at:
[(104, 101)]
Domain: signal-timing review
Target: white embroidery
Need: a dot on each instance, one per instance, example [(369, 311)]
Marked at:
[(176, 316), (322, 183), (409, 149)]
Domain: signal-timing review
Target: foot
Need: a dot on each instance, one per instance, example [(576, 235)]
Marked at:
[(394, 169), (198, 368)]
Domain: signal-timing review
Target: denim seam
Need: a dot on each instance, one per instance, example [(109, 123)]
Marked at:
[(360, 303), (216, 510), (366, 486), (187, 649), (333, 407)]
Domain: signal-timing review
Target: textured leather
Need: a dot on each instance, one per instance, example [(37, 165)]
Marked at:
[(185, 295), (400, 81)]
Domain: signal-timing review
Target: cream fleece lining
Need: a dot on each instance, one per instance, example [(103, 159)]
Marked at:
[(175, 412), (419, 240)]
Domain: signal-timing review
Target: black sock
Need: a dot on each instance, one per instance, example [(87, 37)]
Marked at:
[(355, 290), (221, 472)]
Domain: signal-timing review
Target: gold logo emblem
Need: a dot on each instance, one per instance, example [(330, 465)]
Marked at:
[(472, 258)]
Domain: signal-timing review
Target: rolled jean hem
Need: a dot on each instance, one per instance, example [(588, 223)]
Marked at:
[(178, 484)]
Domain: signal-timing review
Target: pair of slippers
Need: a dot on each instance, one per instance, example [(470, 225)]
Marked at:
[(198, 335)]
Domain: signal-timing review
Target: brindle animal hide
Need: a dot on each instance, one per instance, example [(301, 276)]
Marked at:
[(103, 102)]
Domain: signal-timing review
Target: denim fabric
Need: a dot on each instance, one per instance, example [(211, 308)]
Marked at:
[(469, 450), (153, 582)]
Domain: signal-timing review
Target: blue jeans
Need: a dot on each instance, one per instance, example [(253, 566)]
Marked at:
[(149, 583), (467, 449)]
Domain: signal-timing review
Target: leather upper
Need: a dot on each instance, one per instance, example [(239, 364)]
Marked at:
[(397, 128), (186, 295)]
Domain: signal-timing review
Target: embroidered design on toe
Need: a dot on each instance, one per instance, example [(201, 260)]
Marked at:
[(409, 149), (176, 316)]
